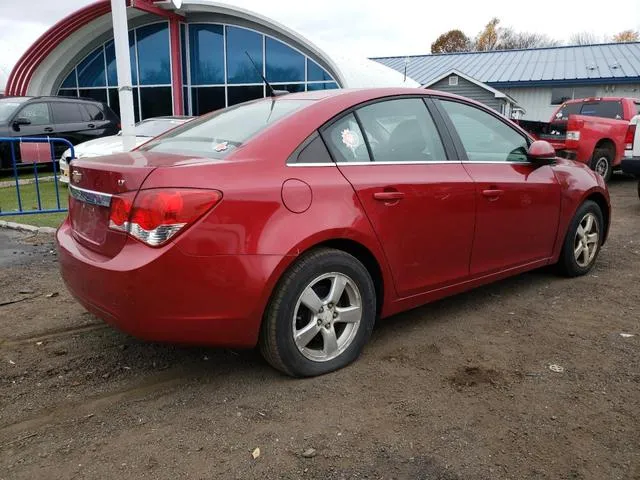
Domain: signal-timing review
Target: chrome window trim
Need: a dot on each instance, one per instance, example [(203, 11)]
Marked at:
[(90, 196), (435, 162)]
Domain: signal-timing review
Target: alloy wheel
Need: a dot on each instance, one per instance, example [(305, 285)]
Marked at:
[(587, 240), (327, 317)]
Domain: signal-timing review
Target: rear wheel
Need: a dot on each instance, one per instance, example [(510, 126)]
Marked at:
[(582, 243), (601, 163), (320, 316)]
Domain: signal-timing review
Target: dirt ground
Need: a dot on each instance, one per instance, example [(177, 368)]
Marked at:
[(460, 389)]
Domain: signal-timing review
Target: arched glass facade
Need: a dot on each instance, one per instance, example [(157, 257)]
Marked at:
[(217, 69)]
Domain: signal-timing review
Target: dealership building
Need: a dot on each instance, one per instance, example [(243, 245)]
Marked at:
[(184, 62), (530, 83)]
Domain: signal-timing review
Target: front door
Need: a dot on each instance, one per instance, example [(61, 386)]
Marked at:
[(421, 206), (518, 203)]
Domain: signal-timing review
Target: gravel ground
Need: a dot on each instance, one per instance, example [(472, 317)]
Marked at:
[(459, 389)]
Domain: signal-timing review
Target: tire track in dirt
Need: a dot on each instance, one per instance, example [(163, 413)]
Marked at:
[(53, 334)]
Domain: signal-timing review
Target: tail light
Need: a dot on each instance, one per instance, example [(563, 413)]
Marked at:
[(573, 136), (629, 136), (156, 215)]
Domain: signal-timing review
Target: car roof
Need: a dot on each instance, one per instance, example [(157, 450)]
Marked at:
[(57, 99)]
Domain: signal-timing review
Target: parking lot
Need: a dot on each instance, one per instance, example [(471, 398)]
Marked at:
[(460, 389)]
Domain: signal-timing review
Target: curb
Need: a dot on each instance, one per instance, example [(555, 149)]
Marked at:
[(27, 228)]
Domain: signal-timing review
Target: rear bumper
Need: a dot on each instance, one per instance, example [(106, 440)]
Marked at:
[(631, 165), (165, 295)]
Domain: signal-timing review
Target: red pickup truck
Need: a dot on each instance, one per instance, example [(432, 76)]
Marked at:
[(594, 131)]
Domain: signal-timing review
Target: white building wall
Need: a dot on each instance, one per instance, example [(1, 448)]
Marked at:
[(537, 100)]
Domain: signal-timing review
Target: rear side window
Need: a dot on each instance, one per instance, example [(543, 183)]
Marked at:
[(606, 109), (217, 135), (64, 112), (401, 130), (345, 140), (94, 112), (314, 151)]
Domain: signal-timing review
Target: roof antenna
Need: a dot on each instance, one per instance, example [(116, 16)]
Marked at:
[(272, 91)]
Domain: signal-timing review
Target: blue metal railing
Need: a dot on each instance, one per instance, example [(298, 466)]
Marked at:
[(11, 141)]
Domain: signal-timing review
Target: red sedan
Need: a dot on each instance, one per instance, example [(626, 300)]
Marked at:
[(295, 222)]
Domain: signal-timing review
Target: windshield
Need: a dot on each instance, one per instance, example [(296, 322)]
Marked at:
[(8, 106), (155, 127), (215, 136)]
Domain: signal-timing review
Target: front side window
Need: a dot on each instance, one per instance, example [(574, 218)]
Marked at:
[(401, 130), (345, 140), (218, 135), (8, 106), (36, 113), (484, 137)]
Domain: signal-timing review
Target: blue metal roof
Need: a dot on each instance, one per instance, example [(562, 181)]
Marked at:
[(603, 63)]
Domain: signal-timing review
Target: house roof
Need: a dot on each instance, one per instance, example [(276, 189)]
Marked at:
[(602, 63)]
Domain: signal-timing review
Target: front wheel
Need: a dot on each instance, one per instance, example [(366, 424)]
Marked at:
[(583, 241), (320, 316)]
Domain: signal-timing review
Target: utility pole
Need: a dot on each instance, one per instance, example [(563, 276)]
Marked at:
[(123, 65)]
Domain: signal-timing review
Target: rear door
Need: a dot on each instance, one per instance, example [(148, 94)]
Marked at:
[(518, 203), (421, 206), (71, 121)]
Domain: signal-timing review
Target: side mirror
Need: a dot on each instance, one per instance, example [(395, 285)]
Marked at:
[(541, 152), (21, 121)]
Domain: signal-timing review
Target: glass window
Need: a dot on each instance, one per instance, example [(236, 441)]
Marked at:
[(114, 102), (91, 71), (606, 109), (153, 54), (314, 152), (237, 95), (316, 73), (284, 64), (68, 93), (217, 135), (185, 100), (155, 102), (401, 131), (70, 81), (37, 113), (239, 67), (322, 86), (584, 92), (345, 141), (207, 99), (66, 112), (112, 73), (99, 94), (561, 95), (291, 87), (183, 52), (484, 137), (8, 106), (206, 46), (93, 112)]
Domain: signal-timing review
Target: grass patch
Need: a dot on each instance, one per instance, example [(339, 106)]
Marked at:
[(9, 203), (27, 171)]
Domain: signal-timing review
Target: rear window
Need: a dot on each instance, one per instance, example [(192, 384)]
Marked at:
[(217, 135), (605, 109)]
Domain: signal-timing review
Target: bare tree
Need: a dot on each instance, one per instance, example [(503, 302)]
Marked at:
[(583, 38), (509, 39)]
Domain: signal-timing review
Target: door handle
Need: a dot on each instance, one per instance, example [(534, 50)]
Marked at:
[(48, 129), (492, 193), (388, 196), (91, 125)]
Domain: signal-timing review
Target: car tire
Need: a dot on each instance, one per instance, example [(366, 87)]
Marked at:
[(587, 222), (602, 163), (638, 188), (303, 317)]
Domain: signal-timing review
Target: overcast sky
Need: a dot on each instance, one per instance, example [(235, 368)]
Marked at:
[(362, 27)]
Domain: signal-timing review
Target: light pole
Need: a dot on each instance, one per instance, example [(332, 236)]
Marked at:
[(123, 66)]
